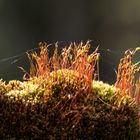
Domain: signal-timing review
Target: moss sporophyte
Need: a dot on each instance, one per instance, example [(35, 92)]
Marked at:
[(62, 98)]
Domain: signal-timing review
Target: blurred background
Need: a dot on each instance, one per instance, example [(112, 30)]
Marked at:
[(114, 25)]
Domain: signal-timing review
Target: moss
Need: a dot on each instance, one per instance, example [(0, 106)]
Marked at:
[(105, 91), (2, 87), (93, 116), (63, 100)]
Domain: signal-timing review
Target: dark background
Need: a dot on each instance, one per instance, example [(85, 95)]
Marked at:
[(114, 25)]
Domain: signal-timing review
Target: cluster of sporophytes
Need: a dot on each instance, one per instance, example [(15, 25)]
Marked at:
[(62, 98), (128, 77)]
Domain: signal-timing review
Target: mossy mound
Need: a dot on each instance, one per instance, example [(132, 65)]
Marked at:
[(60, 107), (62, 99)]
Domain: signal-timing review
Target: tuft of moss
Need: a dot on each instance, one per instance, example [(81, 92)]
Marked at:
[(85, 116), (62, 99)]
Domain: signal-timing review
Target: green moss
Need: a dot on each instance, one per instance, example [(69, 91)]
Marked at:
[(28, 114), (60, 100), (105, 91)]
